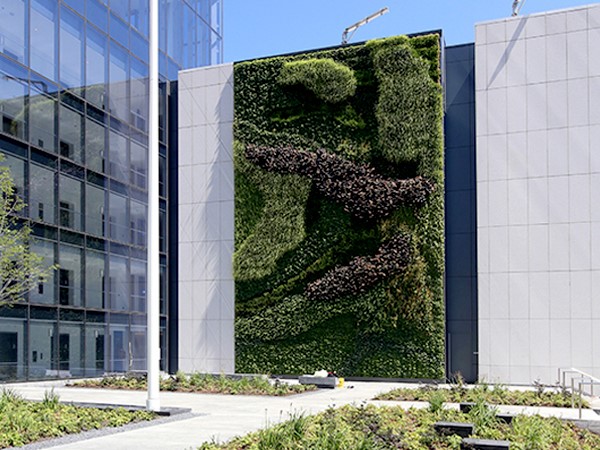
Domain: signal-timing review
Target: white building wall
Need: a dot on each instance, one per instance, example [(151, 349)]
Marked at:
[(538, 194), (205, 171)]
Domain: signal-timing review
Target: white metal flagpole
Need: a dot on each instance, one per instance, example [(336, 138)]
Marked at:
[(153, 275)]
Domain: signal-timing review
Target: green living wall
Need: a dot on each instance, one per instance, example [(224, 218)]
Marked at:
[(339, 251)]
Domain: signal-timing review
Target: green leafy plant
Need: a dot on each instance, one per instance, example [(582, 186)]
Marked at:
[(21, 269), (329, 80)]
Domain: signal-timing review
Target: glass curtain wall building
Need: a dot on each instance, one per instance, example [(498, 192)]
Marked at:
[(74, 132)]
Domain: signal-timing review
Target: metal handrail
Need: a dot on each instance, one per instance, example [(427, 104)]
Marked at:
[(582, 383), (584, 379)]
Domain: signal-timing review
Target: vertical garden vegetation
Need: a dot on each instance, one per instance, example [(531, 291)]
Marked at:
[(306, 219)]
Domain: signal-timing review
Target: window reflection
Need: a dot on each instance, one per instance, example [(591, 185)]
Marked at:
[(17, 173), (70, 214), (96, 348), (139, 164), (42, 128), (43, 346), (42, 202), (139, 94), (138, 285), (118, 71), (70, 350), (138, 15), (13, 92), (118, 283), (14, 337), (94, 279), (119, 165), (44, 292), (95, 143), (12, 29), (119, 225), (95, 68), (94, 210), (42, 37), (69, 276), (70, 134), (139, 214), (71, 49)]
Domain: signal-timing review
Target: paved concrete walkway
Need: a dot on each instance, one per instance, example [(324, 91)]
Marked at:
[(222, 417)]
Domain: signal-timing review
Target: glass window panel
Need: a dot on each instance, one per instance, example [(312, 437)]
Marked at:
[(138, 348), (216, 48), (174, 35), (13, 28), (119, 351), (44, 292), (138, 285), (13, 92), (162, 230), (215, 14), (94, 210), (162, 25), (69, 276), (203, 44), (162, 110), (139, 46), (118, 221), (42, 37), (139, 164), (71, 50), (139, 216), (118, 283), (95, 143), (17, 172), (95, 68), (163, 289), (70, 350), (189, 37), (119, 31), (42, 125), (139, 94), (97, 14), (119, 167), (94, 279), (77, 5), (138, 15), (70, 129), (96, 348), (120, 7), (162, 175), (70, 212), (42, 203), (118, 72), (13, 338), (43, 346)]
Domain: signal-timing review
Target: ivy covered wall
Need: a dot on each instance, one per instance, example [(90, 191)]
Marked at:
[(339, 251)]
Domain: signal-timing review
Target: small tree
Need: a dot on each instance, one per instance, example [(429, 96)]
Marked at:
[(20, 269)]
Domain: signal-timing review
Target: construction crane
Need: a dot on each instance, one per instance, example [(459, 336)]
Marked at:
[(517, 5), (349, 32)]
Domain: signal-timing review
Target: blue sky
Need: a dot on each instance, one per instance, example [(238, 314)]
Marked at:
[(255, 28)]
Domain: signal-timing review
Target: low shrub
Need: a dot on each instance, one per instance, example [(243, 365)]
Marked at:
[(23, 422), (496, 395), (373, 428), (201, 383)]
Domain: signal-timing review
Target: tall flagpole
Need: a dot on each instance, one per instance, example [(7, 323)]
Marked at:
[(153, 275)]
